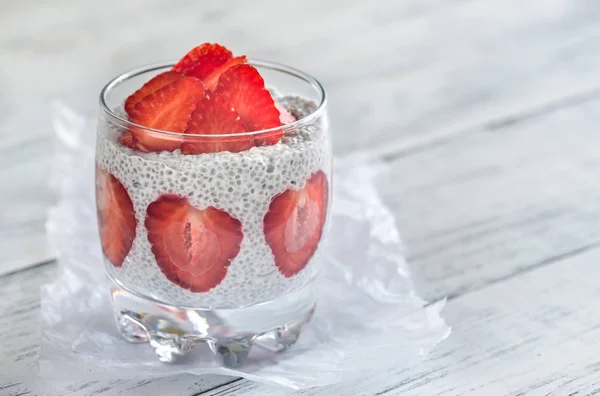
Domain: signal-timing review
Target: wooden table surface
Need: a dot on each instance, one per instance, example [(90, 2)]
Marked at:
[(487, 111)]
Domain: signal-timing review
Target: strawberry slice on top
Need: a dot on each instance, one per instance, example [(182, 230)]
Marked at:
[(294, 224), (212, 79), (167, 109), (243, 88), (207, 62), (116, 217), (202, 60), (193, 247), (213, 116), (156, 83), (166, 103)]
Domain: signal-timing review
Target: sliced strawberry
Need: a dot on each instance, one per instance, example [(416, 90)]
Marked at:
[(294, 224), (168, 109), (202, 60), (215, 117), (284, 115), (150, 87), (213, 78), (244, 89), (116, 217), (193, 247), (127, 140)]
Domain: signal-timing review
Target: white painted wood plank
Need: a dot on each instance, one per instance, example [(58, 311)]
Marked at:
[(399, 73), (445, 89), (474, 210), (19, 335), (536, 334), (415, 66), (480, 210)]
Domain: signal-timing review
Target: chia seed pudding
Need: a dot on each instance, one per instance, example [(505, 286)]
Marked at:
[(242, 184)]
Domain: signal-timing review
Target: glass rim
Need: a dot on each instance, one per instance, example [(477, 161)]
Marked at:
[(314, 83)]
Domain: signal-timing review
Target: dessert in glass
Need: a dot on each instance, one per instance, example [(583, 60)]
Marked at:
[(213, 182)]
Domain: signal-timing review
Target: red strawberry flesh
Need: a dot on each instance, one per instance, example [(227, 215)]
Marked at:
[(193, 247), (150, 87), (127, 140), (167, 109), (116, 217), (244, 89), (294, 224), (202, 60), (166, 103), (212, 79), (215, 117)]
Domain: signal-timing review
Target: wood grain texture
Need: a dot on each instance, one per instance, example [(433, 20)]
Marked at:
[(399, 74), (476, 209), (494, 219), (19, 335), (532, 335), (506, 222), (486, 110)]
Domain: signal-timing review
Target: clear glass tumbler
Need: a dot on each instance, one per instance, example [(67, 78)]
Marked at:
[(221, 247)]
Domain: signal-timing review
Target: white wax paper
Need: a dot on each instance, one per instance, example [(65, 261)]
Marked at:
[(368, 318)]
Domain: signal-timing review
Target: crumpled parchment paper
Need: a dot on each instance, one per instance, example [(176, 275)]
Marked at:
[(369, 316)]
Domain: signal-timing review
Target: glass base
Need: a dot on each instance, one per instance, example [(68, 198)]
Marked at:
[(230, 333)]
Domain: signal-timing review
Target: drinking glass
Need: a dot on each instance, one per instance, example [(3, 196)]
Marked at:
[(222, 247)]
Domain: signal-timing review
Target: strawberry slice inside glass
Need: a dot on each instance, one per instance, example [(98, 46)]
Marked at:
[(193, 247)]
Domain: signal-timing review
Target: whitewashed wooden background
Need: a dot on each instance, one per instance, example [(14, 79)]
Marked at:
[(487, 110)]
